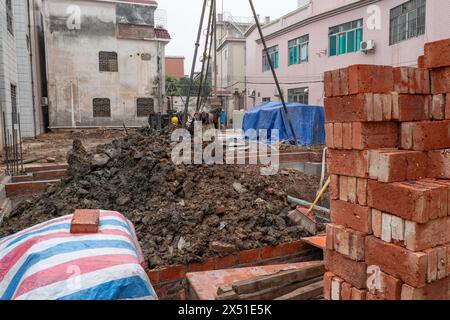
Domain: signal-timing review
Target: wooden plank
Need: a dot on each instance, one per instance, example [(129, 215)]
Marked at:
[(280, 279), (305, 293), (275, 292)]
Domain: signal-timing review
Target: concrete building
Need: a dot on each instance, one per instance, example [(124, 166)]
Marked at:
[(325, 35), (106, 62), (231, 59), (175, 67), (20, 72)]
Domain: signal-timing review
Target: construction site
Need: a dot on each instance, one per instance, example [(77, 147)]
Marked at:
[(226, 198)]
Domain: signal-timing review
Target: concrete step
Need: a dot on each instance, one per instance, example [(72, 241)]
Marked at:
[(49, 174), (32, 169)]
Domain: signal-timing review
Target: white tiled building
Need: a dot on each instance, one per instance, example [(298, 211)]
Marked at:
[(18, 86)]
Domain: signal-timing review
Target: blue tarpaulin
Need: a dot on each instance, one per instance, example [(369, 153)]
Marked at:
[(308, 121)]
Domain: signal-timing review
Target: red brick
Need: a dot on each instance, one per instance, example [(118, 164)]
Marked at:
[(249, 256), (334, 187), (352, 108), (347, 242), (85, 221), (421, 62), (437, 54), (208, 265), (447, 106), (439, 164), (153, 275), (377, 217), (392, 287), (350, 271), (351, 216), (419, 81), (358, 295), (329, 135), (346, 291), (348, 163), (328, 84), (408, 200), (335, 78), (375, 135), (337, 135), (439, 290), (347, 136), (226, 262), (440, 80), (351, 185), (421, 236), (271, 252), (361, 191), (292, 248), (409, 107), (343, 188), (327, 279), (438, 107), (172, 273), (373, 297), (410, 267), (440, 200), (401, 79), (425, 136), (397, 166), (343, 82), (370, 78)]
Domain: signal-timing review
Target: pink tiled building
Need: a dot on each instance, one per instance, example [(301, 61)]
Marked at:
[(325, 35)]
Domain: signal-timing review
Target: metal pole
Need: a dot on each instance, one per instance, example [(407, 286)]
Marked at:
[(205, 58), (273, 72), (20, 141), (191, 79)]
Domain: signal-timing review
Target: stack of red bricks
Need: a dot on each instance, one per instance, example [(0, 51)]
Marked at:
[(388, 134)]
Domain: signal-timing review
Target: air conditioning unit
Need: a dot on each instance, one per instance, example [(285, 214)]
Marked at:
[(367, 45), (251, 93)]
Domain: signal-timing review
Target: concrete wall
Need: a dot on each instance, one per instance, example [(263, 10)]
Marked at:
[(310, 74), (74, 79)]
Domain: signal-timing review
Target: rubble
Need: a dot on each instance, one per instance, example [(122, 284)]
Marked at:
[(183, 213)]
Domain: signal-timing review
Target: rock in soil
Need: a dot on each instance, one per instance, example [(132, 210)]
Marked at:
[(181, 213)]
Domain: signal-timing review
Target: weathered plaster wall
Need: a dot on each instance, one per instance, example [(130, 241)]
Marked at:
[(73, 67)]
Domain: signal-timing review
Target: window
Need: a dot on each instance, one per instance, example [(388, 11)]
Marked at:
[(298, 50), (299, 95), (102, 108), (9, 17), (273, 54), (345, 38), (108, 61), (266, 100), (14, 115), (407, 21), (145, 106)]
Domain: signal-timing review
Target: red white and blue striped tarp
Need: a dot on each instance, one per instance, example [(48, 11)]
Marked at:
[(47, 262)]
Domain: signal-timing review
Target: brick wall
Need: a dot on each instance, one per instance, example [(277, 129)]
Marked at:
[(171, 283), (388, 130)]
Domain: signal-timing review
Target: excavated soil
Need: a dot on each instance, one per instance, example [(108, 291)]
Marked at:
[(182, 213)]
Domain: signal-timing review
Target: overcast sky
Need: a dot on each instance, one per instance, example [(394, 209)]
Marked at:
[(183, 18)]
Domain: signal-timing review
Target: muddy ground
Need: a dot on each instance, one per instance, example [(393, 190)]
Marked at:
[(182, 214)]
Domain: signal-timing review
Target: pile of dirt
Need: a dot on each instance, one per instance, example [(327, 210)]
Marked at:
[(182, 213)]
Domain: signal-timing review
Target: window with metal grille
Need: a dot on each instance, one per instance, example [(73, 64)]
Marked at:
[(9, 17), (14, 104), (108, 61), (102, 108), (298, 50), (407, 21), (273, 54), (345, 38), (145, 106), (299, 95)]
